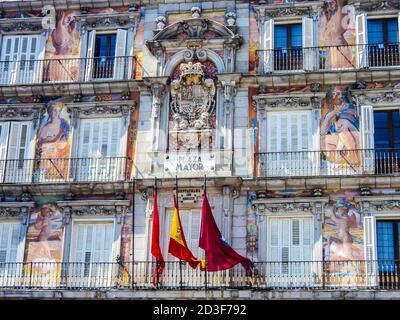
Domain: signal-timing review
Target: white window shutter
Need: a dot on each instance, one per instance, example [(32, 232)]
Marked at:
[(90, 55), (4, 131), (361, 41), (195, 234), (308, 44), (39, 65), (120, 64), (268, 56), (398, 28), (367, 138), (9, 238), (370, 250)]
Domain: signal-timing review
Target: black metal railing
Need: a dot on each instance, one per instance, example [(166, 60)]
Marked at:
[(105, 169), (67, 70), (140, 275), (328, 163), (340, 57)]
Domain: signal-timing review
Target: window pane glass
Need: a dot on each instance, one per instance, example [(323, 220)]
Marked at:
[(280, 36), (375, 31), (393, 29), (297, 38)]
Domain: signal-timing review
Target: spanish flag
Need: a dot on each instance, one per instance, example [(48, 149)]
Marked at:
[(177, 242)]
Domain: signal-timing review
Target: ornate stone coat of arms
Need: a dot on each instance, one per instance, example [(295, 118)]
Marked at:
[(192, 98)]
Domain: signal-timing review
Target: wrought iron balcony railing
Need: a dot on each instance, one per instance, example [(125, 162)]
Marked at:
[(328, 58), (140, 275), (67, 70), (328, 163), (106, 169)]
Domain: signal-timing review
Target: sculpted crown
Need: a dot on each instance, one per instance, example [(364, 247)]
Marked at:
[(191, 69)]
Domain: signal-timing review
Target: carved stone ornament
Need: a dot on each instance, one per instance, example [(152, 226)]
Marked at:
[(161, 23), (19, 112), (288, 207), (380, 5), (387, 205), (273, 101), (101, 108), (94, 210), (281, 12), (196, 12), (380, 98), (21, 27), (230, 19), (10, 212), (192, 98)]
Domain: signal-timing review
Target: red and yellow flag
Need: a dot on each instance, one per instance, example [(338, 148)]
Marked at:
[(177, 242)]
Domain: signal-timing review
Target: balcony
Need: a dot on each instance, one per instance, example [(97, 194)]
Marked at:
[(380, 162), (67, 70), (139, 275), (51, 171), (329, 58)]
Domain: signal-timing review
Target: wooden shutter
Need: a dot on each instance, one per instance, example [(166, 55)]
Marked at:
[(100, 138), (120, 64), (308, 44), (398, 28), (367, 138), (289, 134), (93, 242), (40, 52), (4, 131), (90, 55), (361, 41), (9, 238), (19, 140), (269, 46), (370, 250)]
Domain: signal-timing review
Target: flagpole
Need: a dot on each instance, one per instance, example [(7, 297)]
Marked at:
[(177, 208), (205, 194)]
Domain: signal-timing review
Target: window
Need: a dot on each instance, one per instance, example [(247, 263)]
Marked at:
[(92, 252), (387, 141), (106, 53), (99, 150), (288, 40), (190, 220), (19, 56), (383, 47), (290, 251), (15, 165), (388, 247), (289, 139), (9, 236)]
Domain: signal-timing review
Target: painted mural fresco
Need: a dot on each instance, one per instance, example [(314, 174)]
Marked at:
[(251, 227), (343, 240), (340, 132), (62, 48), (254, 42), (54, 141), (337, 31), (44, 239), (137, 49)]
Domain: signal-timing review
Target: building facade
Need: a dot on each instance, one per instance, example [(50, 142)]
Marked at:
[(291, 109)]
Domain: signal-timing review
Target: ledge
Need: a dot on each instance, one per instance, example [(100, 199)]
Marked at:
[(202, 294)]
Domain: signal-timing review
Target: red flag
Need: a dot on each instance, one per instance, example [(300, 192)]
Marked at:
[(155, 240), (177, 242), (220, 255)]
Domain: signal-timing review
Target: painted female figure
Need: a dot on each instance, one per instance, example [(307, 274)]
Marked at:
[(340, 131)]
